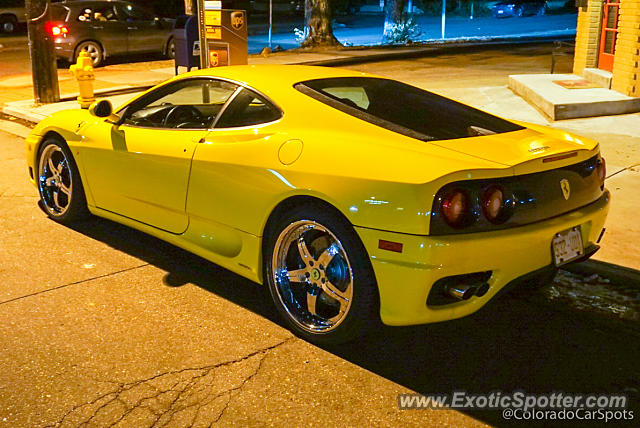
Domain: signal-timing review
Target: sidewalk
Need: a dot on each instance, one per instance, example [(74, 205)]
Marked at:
[(16, 93)]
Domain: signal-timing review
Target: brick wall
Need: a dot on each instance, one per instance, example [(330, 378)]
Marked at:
[(626, 72), (588, 36)]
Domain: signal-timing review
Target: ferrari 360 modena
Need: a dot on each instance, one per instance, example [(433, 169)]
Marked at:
[(354, 198)]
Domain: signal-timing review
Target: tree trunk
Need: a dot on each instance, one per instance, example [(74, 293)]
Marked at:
[(190, 7), (43, 59), (317, 24), (393, 14)]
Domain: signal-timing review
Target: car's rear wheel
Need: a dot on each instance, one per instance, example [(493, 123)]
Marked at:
[(319, 276), (93, 49), (542, 11), (62, 195), (8, 24)]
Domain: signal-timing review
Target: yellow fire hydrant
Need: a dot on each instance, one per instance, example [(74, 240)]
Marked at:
[(83, 72)]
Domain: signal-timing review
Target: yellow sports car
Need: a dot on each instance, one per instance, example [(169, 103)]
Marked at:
[(354, 198)]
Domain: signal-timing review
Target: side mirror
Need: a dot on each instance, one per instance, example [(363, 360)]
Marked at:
[(101, 108)]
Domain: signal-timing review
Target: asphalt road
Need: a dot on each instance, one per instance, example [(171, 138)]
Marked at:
[(103, 325)]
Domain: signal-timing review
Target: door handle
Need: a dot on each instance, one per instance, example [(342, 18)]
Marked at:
[(132, 28), (97, 27)]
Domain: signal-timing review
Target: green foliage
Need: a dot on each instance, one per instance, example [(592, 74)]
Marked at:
[(405, 31)]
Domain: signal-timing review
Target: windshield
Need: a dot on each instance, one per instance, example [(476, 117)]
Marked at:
[(404, 109)]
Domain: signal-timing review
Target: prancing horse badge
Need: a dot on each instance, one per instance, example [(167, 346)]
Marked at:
[(566, 188)]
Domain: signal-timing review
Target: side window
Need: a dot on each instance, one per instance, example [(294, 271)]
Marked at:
[(187, 104), (98, 13), (354, 96), (136, 13), (246, 109)]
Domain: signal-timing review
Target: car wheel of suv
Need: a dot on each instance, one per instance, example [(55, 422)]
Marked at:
[(8, 24), (93, 49), (319, 276)]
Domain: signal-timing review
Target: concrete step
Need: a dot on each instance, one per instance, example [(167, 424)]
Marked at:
[(558, 102), (599, 77)]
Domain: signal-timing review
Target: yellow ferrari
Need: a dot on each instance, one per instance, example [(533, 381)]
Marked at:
[(354, 198)]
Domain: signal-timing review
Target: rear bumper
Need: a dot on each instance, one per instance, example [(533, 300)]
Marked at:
[(64, 47), (405, 279)]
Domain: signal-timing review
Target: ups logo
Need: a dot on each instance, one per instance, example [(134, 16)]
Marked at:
[(237, 20)]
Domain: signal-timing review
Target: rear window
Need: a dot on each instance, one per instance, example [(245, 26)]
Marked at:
[(59, 13), (404, 109)]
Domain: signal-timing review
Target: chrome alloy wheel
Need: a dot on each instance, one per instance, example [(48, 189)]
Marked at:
[(54, 180), (312, 276)]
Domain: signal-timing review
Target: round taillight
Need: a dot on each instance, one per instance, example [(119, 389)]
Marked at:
[(455, 208), (493, 204), (602, 172)]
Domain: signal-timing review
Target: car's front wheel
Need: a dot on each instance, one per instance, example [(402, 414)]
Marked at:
[(62, 195), (319, 276)]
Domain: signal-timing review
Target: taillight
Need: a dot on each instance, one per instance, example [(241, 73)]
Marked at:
[(455, 208), (602, 171), (55, 29), (495, 205)]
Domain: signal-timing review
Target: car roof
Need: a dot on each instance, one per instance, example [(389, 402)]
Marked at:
[(274, 79)]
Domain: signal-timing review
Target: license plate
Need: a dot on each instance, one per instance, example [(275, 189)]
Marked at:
[(567, 246)]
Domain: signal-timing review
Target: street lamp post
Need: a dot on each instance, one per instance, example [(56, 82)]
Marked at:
[(270, 20), (444, 13)]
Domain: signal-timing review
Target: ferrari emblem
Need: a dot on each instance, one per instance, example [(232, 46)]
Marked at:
[(315, 274), (237, 20), (566, 188)]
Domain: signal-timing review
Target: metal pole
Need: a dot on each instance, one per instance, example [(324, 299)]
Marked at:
[(270, 19), (44, 72), (410, 6), (444, 13), (471, 17), (202, 30)]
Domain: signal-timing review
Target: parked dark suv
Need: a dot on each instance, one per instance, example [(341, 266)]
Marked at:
[(106, 28)]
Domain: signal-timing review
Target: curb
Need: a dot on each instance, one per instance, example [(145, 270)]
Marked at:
[(428, 50), (616, 273)]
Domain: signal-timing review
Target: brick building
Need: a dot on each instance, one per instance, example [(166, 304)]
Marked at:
[(608, 39)]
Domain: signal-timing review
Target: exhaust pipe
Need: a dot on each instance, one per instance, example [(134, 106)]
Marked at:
[(466, 291), (461, 291)]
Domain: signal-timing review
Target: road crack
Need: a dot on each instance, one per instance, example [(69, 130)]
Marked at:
[(187, 396), (58, 287)]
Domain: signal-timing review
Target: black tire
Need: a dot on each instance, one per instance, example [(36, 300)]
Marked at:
[(8, 24), (64, 206), (542, 11), (171, 49), (94, 49), (518, 12), (351, 261)]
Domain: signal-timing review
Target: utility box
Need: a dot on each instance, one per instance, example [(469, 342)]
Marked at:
[(185, 35), (226, 35)]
